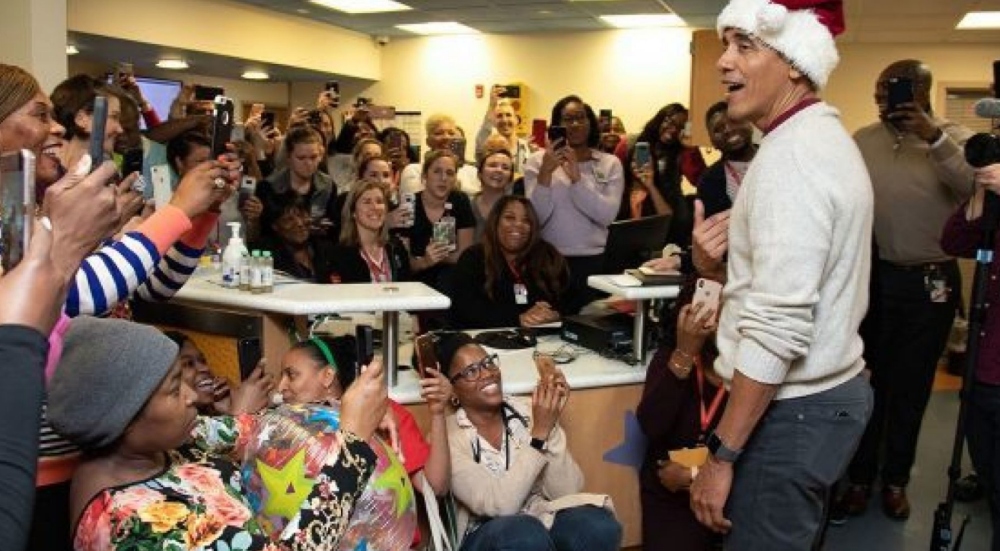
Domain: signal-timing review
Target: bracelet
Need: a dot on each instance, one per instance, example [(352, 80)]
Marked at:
[(683, 370)]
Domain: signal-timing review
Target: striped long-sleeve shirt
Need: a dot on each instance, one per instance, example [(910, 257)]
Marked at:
[(133, 264)]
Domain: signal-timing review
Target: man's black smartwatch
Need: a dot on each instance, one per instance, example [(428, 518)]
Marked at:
[(719, 450)]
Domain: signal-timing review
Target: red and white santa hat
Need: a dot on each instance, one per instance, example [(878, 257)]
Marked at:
[(801, 30)]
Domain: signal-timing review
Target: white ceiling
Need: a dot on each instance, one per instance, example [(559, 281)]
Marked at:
[(868, 21)]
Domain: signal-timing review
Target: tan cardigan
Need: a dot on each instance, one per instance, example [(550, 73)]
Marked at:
[(533, 480)]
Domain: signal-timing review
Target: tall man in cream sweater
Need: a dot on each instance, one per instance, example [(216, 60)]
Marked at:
[(797, 285)]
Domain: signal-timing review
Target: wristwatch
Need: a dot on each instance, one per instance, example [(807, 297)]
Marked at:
[(720, 451)]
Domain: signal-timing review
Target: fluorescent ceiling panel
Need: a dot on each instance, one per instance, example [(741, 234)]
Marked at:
[(362, 6), (639, 21), (441, 27), (980, 20)]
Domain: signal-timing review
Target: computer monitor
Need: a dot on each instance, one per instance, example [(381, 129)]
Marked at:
[(632, 242), (160, 93)]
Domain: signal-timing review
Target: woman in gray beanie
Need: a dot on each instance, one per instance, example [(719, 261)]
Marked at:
[(119, 395)]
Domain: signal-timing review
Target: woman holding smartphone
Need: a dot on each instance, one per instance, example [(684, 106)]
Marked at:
[(432, 260), (366, 253), (682, 401), (576, 191)]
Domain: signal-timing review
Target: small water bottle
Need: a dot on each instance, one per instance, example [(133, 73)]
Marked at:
[(256, 273), (267, 272), (246, 265)]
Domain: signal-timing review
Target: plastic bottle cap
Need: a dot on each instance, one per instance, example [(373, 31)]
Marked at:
[(255, 253), (267, 254)]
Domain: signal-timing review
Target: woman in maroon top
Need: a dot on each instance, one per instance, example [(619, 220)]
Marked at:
[(961, 237), (681, 402)]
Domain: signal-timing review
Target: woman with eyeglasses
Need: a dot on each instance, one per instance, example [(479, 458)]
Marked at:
[(515, 483), (576, 190)]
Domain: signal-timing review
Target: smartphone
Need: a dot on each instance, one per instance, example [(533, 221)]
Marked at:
[(900, 91), (642, 157), (207, 93), (365, 336), (426, 353), (394, 142), (162, 192), (457, 147), (604, 120), (333, 86), (222, 125), (512, 91), (557, 133), (546, 366), (98, 124), (249, 353), (17, 206), (248, 187), (267, 119), (708, 293), (131, 161), (122, 70), (363, 103), (539, 129)]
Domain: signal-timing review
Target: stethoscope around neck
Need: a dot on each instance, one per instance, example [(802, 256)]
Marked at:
[(507, 414)]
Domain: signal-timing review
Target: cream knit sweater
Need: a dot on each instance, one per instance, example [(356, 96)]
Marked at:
[(799, 259)]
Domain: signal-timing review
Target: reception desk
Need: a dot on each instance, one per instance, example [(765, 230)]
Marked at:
[(604, 395), (206, 307)]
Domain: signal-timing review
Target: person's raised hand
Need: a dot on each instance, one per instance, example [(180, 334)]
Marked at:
[(435, 253), (911, 118), (709, 242), (199, 189), (365, 402), (436, 390), (988, 177), (546, 405), (254, 393), (83, 210), (695, 323)]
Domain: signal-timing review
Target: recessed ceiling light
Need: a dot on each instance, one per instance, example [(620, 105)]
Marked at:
[(172, 64), (71, 50), (440, 27), (980, 20), (362, 6), (644, 20), (255, 75)]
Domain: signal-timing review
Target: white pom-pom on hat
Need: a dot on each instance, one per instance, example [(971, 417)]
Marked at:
[(771, 18)]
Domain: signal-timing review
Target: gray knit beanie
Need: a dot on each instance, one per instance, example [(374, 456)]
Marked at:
[(109, 369)]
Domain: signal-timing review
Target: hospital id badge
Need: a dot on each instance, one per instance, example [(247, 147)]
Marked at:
[(520, 293), (938, 288)]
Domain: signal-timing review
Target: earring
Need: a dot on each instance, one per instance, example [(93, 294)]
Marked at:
[(454, 402)]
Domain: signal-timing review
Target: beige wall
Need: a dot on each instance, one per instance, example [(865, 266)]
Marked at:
[(33, 36), (853, 83), (632, 72), (230, 29)]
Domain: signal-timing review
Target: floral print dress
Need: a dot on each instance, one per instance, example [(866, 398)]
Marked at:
[(198, 503)]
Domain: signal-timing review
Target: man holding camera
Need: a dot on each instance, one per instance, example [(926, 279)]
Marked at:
[(920, 177)]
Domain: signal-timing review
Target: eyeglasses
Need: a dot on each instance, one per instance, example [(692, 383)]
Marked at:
[(575, 120), (474, 371)]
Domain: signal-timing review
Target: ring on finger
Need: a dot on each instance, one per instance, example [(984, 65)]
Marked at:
[(219, 182)]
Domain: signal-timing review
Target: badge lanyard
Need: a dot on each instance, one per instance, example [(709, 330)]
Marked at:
[(520, 289), (380, 271), (709, 414)]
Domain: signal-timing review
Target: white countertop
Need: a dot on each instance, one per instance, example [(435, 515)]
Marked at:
[(605, 283), (313, 298), (588, 370)]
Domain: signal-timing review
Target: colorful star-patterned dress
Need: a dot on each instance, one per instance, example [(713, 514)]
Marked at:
[(198, 503)]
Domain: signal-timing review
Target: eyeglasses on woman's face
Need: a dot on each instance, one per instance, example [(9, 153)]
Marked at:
[(474, 371)]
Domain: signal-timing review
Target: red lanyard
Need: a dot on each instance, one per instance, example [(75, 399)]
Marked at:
[(706, 415), (515, 272), (380, 271), (734, 174)]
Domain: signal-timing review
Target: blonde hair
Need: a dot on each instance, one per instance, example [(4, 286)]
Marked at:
[(17, 88), (436, 120), (349, 227)]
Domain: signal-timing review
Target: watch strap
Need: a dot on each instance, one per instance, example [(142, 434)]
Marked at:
[(720, 451)]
